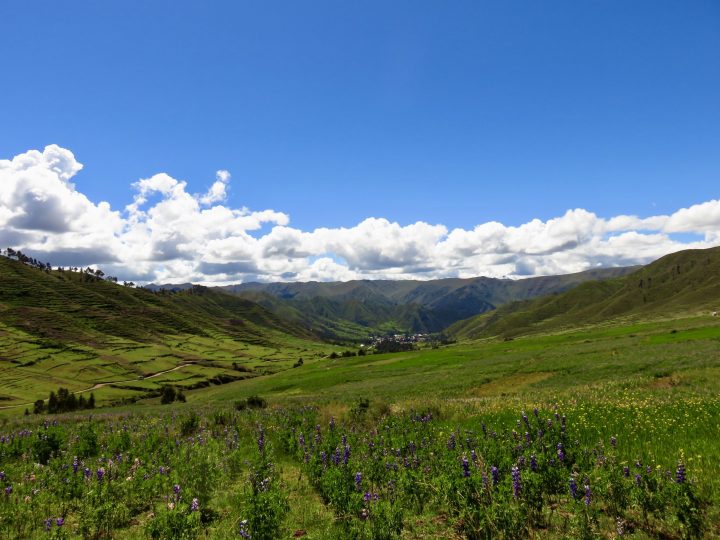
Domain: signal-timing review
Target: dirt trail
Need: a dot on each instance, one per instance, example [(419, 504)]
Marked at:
[(101, 384)]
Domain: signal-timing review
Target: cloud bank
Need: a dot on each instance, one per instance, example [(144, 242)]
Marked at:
[(170, 235)]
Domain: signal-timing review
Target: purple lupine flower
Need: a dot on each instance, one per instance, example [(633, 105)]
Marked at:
[(344, 439), (48, 524), (527, 437), (473, 455), (573, 488), (368, 496), (176, 489), (336, 457), (525, 419), (87, 473), (626, 471), (495, 475), (318, 434), (465, 467), (533, 463), (100, 473), (638, 479), (411, 447), (2, 476), (243, 529), (451, 442), (680, 473), (358, 480), (613, 442), (346, 455), (75, 465), (323, 457), (8, 491), (535, 412), (261, 440), (195, 505), (588, 493), (301, 440), (517, 486), (560, 451), (60, 521)]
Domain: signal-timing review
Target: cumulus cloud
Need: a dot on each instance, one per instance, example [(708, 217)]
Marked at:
[(168, 234)]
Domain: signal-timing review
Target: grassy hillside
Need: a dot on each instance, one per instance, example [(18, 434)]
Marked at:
[(687, 282), (356, 309), (74, 330)]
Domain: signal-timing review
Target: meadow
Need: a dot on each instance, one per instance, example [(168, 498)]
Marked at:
[(605, 432)]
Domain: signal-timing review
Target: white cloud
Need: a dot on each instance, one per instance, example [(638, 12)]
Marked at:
[(170, 235)]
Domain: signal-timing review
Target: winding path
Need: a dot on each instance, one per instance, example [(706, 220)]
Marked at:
[(101, 384)]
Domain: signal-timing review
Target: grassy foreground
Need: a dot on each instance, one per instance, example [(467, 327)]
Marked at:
[(430, 444)]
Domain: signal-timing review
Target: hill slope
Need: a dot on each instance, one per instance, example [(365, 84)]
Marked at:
[(681, 283), (73, 329)]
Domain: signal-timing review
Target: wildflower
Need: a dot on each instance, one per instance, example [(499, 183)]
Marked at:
[(302, 440), (364, 514), (626, 472), (75, 465), (176, 489), (368, 496), (451, 442), (620, 527), (484, 428), (48, 524), (346, 455), (613, 442), (495, 475), (573, 488), (638, 479), (560, 451), (60, 521), (8, 491), (195, 505), (465, 467), (171, 505), (516, 482), (243, 529), (358, 480), (680, 473), (533, 463), (261, 440), (100, 474), (588, 494), (332, 423)]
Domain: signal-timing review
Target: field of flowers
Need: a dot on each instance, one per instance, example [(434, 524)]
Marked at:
[(563, 470)]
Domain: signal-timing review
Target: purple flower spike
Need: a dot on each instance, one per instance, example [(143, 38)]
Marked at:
[(588, 494), (680, 474), (517, 487)]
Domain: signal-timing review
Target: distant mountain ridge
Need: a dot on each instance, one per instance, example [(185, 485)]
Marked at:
[(680, 283), (356, 309)]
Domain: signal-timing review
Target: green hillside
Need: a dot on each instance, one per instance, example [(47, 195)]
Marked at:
[(357, 309), (74, 330), (683, 283)]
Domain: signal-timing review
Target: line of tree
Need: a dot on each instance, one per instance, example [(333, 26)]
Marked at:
[(18, 255), (64, 401)]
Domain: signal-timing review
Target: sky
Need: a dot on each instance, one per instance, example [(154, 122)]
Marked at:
[(229, 141)]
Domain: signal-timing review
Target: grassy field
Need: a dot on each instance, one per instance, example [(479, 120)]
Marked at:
[(641, 395)]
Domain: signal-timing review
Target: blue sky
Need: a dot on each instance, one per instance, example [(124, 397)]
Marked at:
[(451, 113)]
